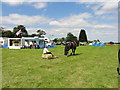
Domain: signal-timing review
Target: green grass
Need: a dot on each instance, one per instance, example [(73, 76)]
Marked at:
[(93, 67)]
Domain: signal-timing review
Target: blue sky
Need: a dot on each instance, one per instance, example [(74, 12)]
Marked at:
[(58, 18)]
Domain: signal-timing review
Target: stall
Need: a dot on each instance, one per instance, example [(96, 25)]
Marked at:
[(14, 43), (27, 42), (33, 42)]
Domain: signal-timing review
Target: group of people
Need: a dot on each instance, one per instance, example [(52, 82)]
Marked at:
[(31, 45)]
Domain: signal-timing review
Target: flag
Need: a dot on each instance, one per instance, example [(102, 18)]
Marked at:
[(18, 32)]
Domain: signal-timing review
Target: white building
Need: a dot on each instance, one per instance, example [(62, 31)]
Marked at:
[(14, 43), (24, 42)]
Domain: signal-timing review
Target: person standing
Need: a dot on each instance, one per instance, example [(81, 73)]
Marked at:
[(31, 44)]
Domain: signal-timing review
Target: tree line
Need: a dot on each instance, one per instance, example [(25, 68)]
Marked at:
[(21, 30), (70, 37)]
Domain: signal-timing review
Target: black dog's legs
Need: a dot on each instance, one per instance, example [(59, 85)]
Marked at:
[(70, 54), (118, 71), (73, 51)]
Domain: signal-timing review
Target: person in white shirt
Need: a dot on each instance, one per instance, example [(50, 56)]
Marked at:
[(45, 51), (48, 54), (31, 44), (26, 44)]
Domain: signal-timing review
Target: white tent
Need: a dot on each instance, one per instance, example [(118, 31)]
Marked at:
[(14, 43), (18, 43)]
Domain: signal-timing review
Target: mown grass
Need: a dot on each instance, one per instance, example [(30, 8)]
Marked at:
[(92, 67)]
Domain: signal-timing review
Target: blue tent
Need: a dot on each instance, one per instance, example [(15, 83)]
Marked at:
[(97, 44), (5, 46), (102, 45), (93, 44)]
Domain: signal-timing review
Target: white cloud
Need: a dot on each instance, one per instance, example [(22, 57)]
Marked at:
[(80, 21), (37, 5), (72, 21), (100, 26), (102, 7), (13, 2), (110, 6), (17, 19), (40, 5), (62, 31), (32, 30), (103, 35), (18, 2), (7, 27), (106, 8)]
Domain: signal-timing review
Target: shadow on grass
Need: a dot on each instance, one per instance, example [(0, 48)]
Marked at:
[(75, 54)]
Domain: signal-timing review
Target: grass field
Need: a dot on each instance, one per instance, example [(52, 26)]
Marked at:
[(93, 67)]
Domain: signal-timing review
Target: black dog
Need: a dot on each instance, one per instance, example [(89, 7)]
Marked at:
[(71, 45)]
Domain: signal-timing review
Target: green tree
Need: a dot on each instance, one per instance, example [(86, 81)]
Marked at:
[(1, 28), (98, 40), (55, 40), (1, 31), (22, 28), (32, 35), (82, 36), (63, 39), (71, 37), (8, 34), (111, 42), (90, 41), (95, 40), (41, 32), (15, 30)]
